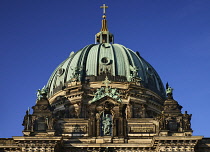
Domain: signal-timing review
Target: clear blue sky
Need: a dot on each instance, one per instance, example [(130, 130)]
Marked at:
[(37, 35)]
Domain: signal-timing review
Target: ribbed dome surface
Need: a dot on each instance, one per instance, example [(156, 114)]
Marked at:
[(105, 58)]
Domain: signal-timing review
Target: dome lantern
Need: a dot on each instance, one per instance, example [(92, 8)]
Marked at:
[(104, 36)]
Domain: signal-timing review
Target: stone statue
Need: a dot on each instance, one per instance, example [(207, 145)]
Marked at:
[(107, 124), (98, 95), (143, 111), (50, 122), (134, 70), (162, 122), (102, 92), (77, 109), (186, 121), (41, 93), (76, 74), (169, 91), (114, 94), (33, 121), (131, 78), (27, 121), (38, 94), (134, 74)]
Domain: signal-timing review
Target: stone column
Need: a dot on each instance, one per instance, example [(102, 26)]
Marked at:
[(121, 127), (114, 128), (98, 127)]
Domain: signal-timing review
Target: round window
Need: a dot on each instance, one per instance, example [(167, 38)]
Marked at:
[(60, 71), (105, 60), (149, 70)]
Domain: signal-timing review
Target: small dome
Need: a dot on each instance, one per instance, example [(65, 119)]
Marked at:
[(105, 58)]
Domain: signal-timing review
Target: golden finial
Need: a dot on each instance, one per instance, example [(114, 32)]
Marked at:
[(104, 22), (104, 36)]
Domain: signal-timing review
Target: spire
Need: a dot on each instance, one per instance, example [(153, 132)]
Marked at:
[(104, 21), (104, 36)]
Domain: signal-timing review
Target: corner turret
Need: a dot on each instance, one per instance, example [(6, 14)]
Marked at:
[(172, 121)]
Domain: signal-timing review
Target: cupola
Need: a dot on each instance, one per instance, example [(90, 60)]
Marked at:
[(104, 36)]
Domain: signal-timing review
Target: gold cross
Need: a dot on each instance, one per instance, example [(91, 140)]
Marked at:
[(104, 8), (106, 82)]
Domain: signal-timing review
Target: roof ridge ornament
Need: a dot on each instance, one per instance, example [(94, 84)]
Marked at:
[(104, 36)]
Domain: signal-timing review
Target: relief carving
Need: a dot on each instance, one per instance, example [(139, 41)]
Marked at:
[(142, 128), (76, 129)]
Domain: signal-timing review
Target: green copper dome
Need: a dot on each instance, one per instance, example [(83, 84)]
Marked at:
[(96, 60)]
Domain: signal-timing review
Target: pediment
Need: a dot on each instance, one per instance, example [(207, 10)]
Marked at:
[(106, 99), (107, 105)]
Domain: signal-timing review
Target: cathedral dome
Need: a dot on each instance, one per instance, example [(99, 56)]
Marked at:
[(105, 59)]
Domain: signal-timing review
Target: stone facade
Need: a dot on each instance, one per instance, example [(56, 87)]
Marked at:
[(112, 109), (141, 121)]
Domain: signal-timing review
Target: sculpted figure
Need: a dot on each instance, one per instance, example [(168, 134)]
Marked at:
[(50, 122), (143, 111), (107, 124), (76, 74), (41, 93), (186, 121), (114, 94), (77, 109), (33, 120), (27, 121), (162, 122), (131, 78), (98, 95), (169, 91), (134, 70)]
